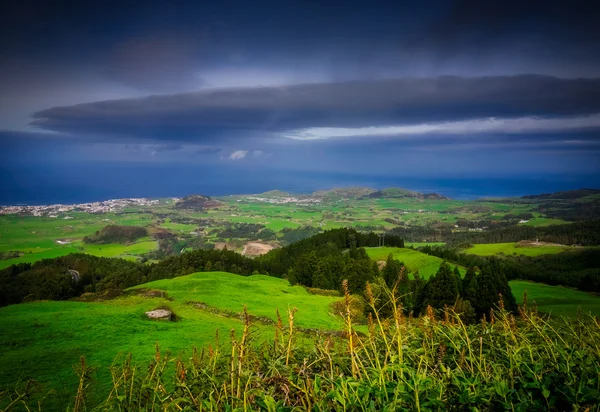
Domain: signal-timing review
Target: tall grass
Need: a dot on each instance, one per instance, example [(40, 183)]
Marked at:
[(435, 362)]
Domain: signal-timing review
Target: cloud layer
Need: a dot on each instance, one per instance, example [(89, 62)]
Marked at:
[(412, 106)]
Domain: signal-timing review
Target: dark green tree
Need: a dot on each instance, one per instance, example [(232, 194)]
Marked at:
[(303, 270), (441, 289), (491, 283), (322, 278), (469, 285), (391, 271)]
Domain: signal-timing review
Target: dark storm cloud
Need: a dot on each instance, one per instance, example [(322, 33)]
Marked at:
[(266, 111), (472, 22), (15, 137)]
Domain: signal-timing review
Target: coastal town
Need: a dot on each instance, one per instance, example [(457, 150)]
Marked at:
[(277, 200), (53, 211)]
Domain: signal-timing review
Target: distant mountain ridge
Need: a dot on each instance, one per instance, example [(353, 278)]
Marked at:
[(398, 193), (368, 193), (344, 192)]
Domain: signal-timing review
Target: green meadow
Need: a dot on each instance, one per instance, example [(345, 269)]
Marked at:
[(37, 237), (413, 259), (492, 249), (556, 300), (421, 244), (261, 294), (42, 340), (130, 251), (544, 221)]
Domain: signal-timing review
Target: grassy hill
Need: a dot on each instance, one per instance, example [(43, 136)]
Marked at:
[(261, 294), (413, 259), (557, 300), (42, 340)]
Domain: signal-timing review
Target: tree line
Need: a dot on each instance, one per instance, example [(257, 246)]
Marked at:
[(50, 278), (580, 233), (473, 296), (321, 261), (55, 278), (577, 269)]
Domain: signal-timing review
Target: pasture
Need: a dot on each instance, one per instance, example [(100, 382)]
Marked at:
[(42, 340), (261, 294), (413, 259), (556, 300), (507, 249)]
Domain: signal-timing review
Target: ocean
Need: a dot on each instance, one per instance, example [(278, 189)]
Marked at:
[(38, 185)]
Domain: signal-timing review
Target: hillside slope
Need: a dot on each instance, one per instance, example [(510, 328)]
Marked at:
[(42, 340), (413, 259), (262, 295), (556, 300)]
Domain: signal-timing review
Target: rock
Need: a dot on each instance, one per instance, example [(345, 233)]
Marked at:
[(160, 314)]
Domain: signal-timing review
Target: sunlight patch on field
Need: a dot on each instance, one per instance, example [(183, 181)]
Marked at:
[(557, 300), (492, 249), (413, 259)]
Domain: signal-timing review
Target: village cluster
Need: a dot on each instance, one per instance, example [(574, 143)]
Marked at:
[(282, 200), (105, 206)]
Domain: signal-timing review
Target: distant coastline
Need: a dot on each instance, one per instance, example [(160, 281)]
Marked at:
[(459, 194)]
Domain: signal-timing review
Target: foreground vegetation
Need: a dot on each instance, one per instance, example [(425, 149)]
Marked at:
[(434, 362)]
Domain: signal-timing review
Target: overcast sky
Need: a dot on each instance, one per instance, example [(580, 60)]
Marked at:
[(435, 90)]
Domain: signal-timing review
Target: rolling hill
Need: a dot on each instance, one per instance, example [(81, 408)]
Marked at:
[(413, 259), (398, 193), (42, 340)]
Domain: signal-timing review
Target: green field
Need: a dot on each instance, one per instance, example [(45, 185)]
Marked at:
[(491, 249), (39, 254), (544, 221), (43, 340), (557, 300), (413, 259), (130, 251), (37, 237), (421, 244), (262, 295)]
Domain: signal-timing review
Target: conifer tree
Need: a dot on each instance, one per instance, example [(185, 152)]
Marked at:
[(469, 285), (441, 289), (391, 271)]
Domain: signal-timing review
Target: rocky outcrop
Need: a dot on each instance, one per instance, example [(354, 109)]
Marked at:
[(160, 314)]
